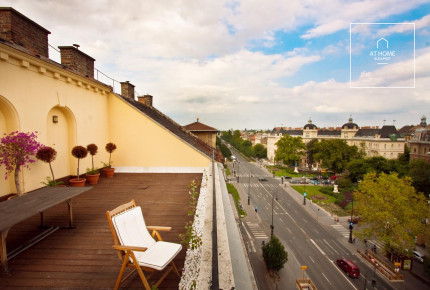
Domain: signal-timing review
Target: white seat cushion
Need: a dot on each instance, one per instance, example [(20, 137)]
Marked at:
[(159, 255), (131, 230)]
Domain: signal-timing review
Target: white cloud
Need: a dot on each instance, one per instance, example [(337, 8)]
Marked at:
[(333, 16), (194, 57)]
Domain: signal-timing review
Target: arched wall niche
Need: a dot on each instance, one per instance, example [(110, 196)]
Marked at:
[(9, 122), (61, 135)]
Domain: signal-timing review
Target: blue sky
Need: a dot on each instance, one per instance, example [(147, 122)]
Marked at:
[(248, 64)]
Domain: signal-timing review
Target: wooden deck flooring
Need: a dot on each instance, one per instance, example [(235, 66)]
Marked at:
[(83, 258)]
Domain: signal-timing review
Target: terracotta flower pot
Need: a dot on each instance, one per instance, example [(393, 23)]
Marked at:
[(93, 178), (74, 182), (108, 172)]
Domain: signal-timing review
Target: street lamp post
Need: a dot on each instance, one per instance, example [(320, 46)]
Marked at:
[(272, 227), (238, 171), (351, 223), (304, 193), (249, 188)]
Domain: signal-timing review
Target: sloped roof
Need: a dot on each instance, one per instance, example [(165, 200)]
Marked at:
[(284, 131), (325, 132), (175, 128), (407, 130), (385, 132), (366, 132), (388, 130), (199, 127)]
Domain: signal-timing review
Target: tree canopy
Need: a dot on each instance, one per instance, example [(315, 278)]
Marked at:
[(419, 171), (260, 151), (290, 149), (358, 167), (334, 154), (390, 210), (274, 254)]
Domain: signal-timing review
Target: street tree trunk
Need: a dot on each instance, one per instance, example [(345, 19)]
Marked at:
[(18, 187)]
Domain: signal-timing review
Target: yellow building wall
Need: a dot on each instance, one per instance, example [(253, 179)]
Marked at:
[(32, 91), (208, 137), (142, 142)]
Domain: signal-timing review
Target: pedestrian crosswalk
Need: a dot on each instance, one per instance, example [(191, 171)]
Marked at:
[(255, 185), (256, 231), (341, 229)]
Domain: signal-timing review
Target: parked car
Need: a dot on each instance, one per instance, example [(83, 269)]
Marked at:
[(418, 256), (262, 179), (294, 181), (349, 267)]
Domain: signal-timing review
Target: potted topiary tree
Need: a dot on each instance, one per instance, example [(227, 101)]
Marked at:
[(79, 152), (16, 151), (108, 170), (92, 173), (48, 154)]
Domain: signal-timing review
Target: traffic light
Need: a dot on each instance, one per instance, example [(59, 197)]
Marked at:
[(351, 226)]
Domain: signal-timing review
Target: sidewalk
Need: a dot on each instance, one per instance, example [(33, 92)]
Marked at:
[(255, 251)]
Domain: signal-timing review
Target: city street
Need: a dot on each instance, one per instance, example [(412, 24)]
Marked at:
[(310, 235)]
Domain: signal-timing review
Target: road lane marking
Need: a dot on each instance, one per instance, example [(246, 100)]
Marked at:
[(326, 278), (319, 249), (333, 249), (343, 275), (312, 259)]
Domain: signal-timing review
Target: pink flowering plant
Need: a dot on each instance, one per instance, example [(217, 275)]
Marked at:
[(16, 151)]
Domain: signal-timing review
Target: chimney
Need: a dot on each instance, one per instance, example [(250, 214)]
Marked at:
[(77, 61), (146, 100), (127, 90), (20, 30)]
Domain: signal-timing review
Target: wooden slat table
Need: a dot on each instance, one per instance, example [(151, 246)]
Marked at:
[(20, 208)]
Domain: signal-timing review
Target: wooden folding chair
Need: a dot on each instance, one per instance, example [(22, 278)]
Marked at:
[(137, 248)]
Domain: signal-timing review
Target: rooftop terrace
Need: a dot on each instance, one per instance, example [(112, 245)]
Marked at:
[(83, 257)]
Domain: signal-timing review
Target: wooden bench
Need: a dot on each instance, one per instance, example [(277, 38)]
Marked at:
[(18, 209)]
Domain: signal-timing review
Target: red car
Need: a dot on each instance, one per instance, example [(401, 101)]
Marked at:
[(349, 267)]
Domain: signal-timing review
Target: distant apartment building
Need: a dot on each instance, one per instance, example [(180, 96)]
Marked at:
[(374, 141), (419, 142)]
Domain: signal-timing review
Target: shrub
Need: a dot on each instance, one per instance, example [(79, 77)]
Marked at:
[(274, 254), (48, 154)]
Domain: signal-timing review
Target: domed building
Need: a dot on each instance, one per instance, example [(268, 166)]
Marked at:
[(420, 142), (349, 129), (310, 130)]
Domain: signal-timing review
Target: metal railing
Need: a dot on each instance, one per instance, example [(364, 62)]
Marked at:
[(98, 75)]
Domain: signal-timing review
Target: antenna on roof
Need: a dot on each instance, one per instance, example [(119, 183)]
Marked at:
[(384, 122), (394, 122)]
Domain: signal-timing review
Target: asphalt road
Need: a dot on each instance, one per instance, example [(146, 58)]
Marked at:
[(306, 238)]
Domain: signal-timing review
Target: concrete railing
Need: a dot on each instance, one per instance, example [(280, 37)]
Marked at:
[(232, 267)]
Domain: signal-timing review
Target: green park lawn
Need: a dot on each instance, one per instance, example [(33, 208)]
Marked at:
[(324, 200)]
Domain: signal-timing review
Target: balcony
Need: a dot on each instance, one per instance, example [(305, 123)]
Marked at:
[(83, 257)]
